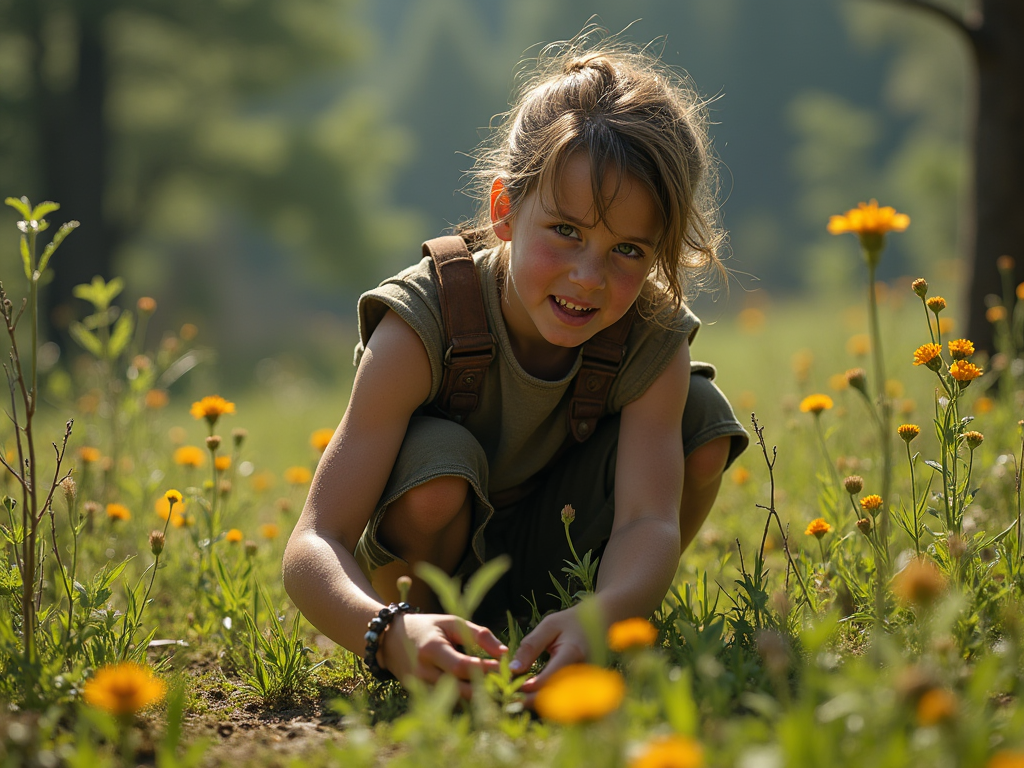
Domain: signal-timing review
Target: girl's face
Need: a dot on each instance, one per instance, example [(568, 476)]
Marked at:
[(573, 275)]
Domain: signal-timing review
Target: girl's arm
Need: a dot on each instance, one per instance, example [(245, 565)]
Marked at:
[(642, 553), (320, 573)]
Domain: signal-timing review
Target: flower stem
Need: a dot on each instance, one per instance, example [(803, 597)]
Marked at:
[(913, 500)]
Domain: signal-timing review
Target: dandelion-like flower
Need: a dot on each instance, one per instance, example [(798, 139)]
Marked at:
[(163, 509), (118, 512), (670, 752), (973, 439), (298, 475), (173, 495), (964, 372), (321, 438), (580, 692), (817, 528), (960, 349), (936, 304), (631, 633), (919, 583), (269, 531), (234, 536), (211, 408), (815, 404), (996, 313), (222, 463), (908, 431), (935, 706), (188, 331), (189, 456), (123, 689), (871, 503), (920, 287), (870, 223), (929, 355)]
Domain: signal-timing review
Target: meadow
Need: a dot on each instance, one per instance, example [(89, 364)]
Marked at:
[(855, 597)]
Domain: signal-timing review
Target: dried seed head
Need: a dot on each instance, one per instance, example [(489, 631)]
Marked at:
[(864, 525), (213, 442), (70, 489), (91, 508), (250, 548), (853, 484), (156, 542)]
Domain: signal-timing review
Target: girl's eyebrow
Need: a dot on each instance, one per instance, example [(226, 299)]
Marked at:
[(626, 238)]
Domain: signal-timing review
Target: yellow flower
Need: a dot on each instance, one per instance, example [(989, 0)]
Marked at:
[(927, 354), (189, 456), (871, 503), (269, 531), (156, 399), (974, 439), (983, 405), (908, 431), (869, 219), (801, 362), (740, 476), (815, 404), (838, 382), (1020, 291), (670, 752), (935, 706), (959, 349), (751, 320), (936, 304), (964, 372), (580, 692), (89, 455), (859, 344), (920, 582), (123, 689), (118, 512), (817, 527), (163, 509), (320, 439), (173, 495), (211, 408), (630, 633), (262, 480), (298, 475), (222, 463), (234, 536), (995, 314)]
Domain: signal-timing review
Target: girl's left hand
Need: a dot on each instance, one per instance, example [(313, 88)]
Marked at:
[(562, 636)]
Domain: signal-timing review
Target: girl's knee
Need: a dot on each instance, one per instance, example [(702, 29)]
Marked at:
[(428, 508), (707, 463)]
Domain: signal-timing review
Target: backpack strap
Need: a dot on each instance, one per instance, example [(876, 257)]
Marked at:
[(602, 358), (470, 344)]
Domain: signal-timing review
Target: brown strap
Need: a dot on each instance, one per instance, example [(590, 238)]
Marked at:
[(602, 358), (470, 344)]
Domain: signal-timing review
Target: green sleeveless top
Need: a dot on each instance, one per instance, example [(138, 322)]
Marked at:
[(521, 421)]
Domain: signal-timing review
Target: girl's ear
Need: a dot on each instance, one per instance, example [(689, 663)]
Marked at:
[(501, 207)]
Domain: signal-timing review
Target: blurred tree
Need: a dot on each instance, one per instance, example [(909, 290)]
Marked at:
[(149, 118), (993, 31)]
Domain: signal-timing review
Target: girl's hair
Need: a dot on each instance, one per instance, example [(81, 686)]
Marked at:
[(632, 116)]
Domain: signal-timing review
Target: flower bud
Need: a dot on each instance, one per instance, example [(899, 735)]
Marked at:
[(70, 490), (225, 488), (864, 525), (936, 304), (920, 287), (857, 378), (853, 484), (91, 508), (568, 514), (1005, 263), (213, 442), (250, 548), (146, 305), (973, 439), (156, 542), (239, 435)]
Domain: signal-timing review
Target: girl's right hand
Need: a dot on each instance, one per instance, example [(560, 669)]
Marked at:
[(422, 645)]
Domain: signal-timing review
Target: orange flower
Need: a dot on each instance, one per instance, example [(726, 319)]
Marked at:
[(89, 455), (928, 354), (146, 305), (815, 404), (261, 481), (1006, 758), (269, 531), (964, 372), (859, 344), (189, 456), (234, 536), (871, 503), (935, 706), (298, 475), (936, 304), (670, 752), (188, 331), (920, 582), (908, 431), (630, 633), (320, 439), (817, 528), (211, 408), (123, 689), (740, 476), (580, 692), (222, 463), (869, 219), (156, 399), (118, 512), (960, 349), (995, 314), (163, 508), (751, 320), (983, 405)]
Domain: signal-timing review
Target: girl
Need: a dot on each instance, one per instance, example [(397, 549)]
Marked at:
[(596, 209)]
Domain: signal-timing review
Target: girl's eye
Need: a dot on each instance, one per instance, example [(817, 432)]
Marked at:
[(628, 249), (565, 230)]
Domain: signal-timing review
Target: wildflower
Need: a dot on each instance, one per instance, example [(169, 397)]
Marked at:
[(864, 525), (568, 514), (1005, 263), (70, 489), (118, 512), (146, 305), (946, 325), (188, 332), (261, 481), (580, 692), (222, 463), (964, 372), (870, 223), (920, 287), (173, 496), (815, 404), (211, 408), (857, 378), (858, 345), (1006, 759), (156, 399), (995, 314), (298, 475), (935, 706), (670, 752), (123, 689), (91, 508), (234, 536), (838, 382), (853, 484), (321, 438), (928, 354), (163, 509), (630, 633), (817, 528), (750, 320), (1020, 291), (960, 349), (250, 548), (894, 388), (983, 405), (973, 439), (740, 476), (189, 456), (936, 304), (269, 531), (908, 431), (238, 436), (156, 542), (89, 455), (871, 503), (920, 582), (801, 363), (224, 488), (213, 442)]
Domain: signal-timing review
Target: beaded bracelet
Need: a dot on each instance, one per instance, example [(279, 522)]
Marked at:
[(374, 634)]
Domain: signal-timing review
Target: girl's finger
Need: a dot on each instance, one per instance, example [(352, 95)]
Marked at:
[(447, 659), (532, 646), (455, 629)]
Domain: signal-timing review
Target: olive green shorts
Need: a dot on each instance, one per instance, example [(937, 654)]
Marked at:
[(529, 528)]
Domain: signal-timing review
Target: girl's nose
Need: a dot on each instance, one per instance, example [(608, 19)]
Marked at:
[(588, 272)]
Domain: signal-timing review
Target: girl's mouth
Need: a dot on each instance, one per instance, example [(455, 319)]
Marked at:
[(571, 313)]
